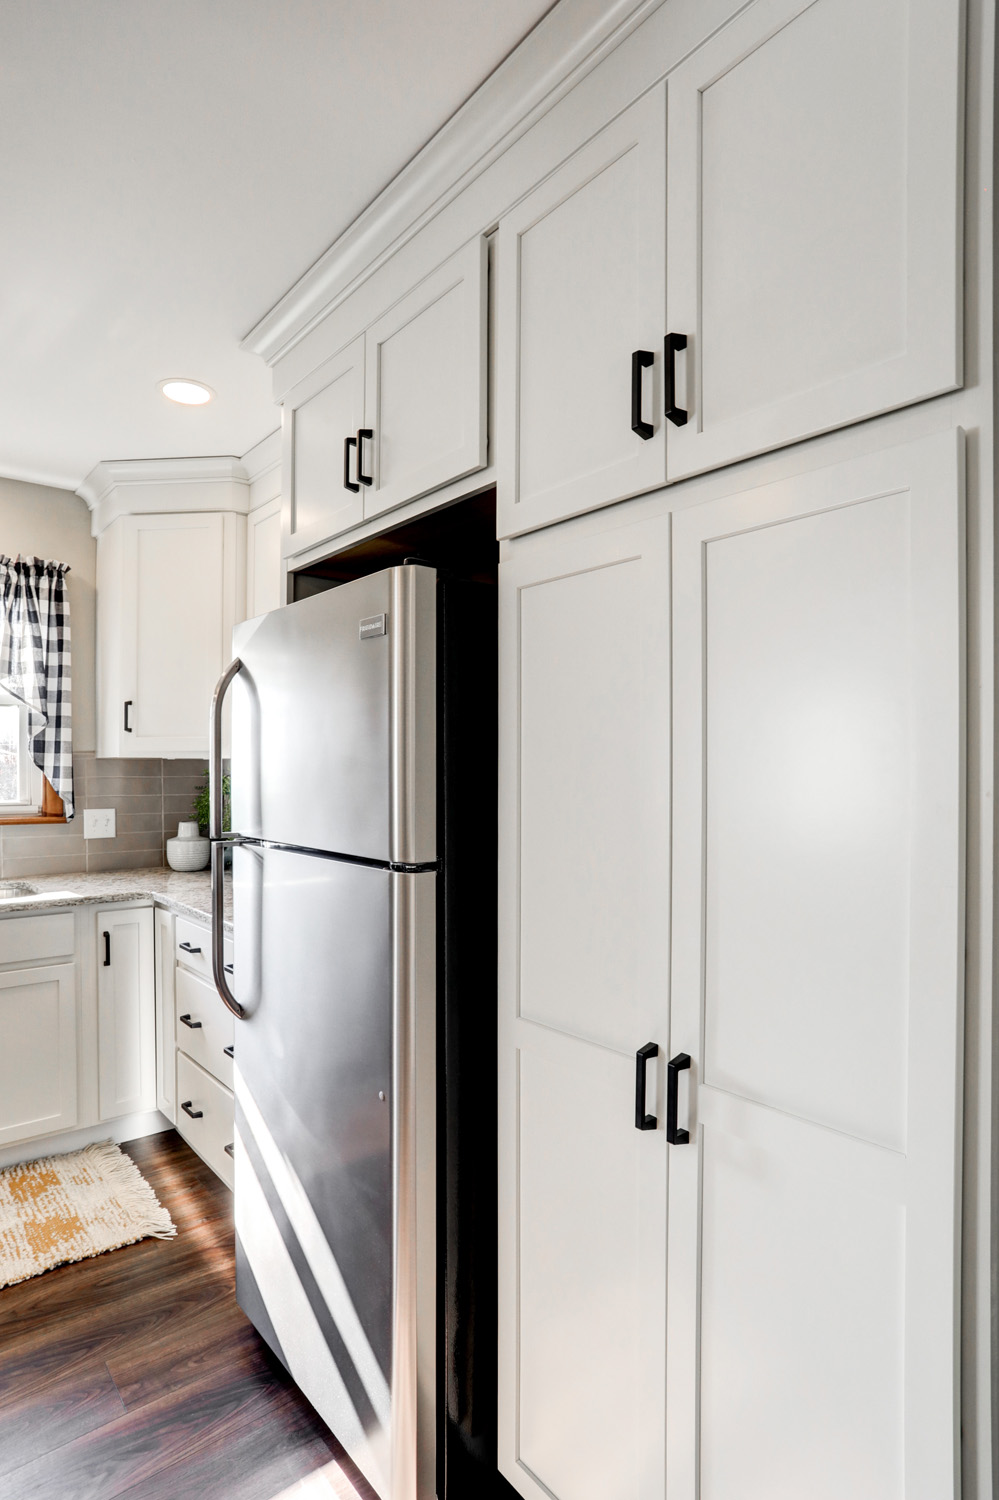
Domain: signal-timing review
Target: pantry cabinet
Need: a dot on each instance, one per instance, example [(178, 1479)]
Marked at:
[(817, 983), (584, 867), (170, 588), (126, 1011), (398, 412)]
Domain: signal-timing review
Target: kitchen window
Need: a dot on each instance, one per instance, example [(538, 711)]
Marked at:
[(25, 794)]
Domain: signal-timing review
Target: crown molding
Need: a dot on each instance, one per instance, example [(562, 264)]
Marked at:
[(157, 486), (566, 44), (263, 457)]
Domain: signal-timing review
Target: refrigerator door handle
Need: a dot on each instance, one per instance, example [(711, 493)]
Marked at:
[(218, 838)]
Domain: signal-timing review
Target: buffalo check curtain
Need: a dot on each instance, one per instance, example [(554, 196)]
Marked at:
[(35, 662)]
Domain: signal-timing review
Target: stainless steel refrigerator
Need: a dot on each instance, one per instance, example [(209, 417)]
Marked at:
[(335, 888)]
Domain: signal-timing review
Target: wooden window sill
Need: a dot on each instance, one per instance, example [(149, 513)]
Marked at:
[(35, 818)]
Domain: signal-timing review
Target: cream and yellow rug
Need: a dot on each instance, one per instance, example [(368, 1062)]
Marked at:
[(65, 1208)]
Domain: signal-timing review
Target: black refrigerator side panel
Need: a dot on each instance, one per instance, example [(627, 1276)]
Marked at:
[(467, 766)]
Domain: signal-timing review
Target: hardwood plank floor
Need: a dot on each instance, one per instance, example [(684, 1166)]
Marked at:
[(135, 1375)]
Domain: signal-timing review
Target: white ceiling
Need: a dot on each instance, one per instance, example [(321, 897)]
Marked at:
[(168, 168)]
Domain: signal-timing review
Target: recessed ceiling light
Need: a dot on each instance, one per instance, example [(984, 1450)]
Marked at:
[(187, 392)]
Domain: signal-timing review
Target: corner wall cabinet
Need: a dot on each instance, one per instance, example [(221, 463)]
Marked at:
[(765, 247), (398, 412), (170, 588), (810, 1011)]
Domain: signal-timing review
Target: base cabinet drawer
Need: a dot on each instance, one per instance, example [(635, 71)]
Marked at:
[(205, 1116), (204, 1026)]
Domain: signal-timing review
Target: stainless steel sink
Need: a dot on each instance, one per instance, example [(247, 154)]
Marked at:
[(12, 889)]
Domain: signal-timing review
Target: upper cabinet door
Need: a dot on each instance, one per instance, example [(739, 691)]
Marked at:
[(322, 416), (814, 230), (580, 324), (425, 386)]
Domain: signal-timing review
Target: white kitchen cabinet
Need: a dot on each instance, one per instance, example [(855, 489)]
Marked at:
[(38, 1022), (169, 590), (584, 893), (814, 220), (205, 1116), (319, 428), (581, 292), (126, 1011), (817, 984), (166, 1041), (264, 563), (397, 413), (425, 385)]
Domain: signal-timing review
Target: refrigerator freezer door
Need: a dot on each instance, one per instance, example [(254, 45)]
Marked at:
[(335, 1105), (334, 720)]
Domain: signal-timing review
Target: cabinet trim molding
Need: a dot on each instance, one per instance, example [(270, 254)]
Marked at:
[(156, 486)]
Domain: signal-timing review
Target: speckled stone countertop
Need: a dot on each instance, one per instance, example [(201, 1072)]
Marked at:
[(188, 894)]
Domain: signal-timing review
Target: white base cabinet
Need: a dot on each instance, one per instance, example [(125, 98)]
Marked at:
[(126, 1011), (38, 1089), (803, 1304)]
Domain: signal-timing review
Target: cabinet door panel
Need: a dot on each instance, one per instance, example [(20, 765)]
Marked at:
[(319, 414), (126, 1018), (166, 1041), (38, 1058), (425, 397), (582, 286), (583, 984), (813, 217), (817, 984)]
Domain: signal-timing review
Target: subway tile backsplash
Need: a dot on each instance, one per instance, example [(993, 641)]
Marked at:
[(149, 797)]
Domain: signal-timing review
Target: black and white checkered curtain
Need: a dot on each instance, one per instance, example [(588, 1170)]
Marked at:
[(35, 662)]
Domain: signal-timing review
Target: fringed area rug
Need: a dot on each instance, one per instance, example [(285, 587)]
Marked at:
[(66, 1208)]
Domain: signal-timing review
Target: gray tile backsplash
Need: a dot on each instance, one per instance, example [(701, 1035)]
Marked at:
[(149, 798)]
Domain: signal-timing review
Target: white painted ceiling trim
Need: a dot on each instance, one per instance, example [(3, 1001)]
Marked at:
[(564, 46), (164, 486)]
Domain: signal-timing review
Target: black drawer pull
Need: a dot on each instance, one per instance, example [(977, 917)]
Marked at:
[(674, 1068), (676, 414), (196, 1114), (229, 1151), (362, 433), (642, 1120), (228, 968), (125, 724), (107, 950), (229, 1051), (640, 360), (186, 1021), (188, 948), (348, 484)]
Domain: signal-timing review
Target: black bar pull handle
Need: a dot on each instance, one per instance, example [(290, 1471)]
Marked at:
[(362, 433), (230, 1149), (128, 705), (676, 414), (674, 1068), (227, 968), (348, 484), (196, 1114), (188, 948), (107, 950), (642, 1120), (640, 360), (192, 1025), (230, 1050)]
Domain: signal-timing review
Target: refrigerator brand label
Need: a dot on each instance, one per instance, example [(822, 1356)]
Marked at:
[(373, 625)]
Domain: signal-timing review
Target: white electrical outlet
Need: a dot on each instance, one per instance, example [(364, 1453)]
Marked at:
[(98, 823)]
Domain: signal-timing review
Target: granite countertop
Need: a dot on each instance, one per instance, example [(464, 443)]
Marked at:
[(186, 893)]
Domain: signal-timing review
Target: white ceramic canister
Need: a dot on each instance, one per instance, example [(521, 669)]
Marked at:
[(188, 851)]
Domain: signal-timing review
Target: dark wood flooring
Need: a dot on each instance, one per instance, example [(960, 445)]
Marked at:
[(136, 1375)]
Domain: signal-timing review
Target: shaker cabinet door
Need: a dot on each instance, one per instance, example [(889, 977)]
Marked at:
[(817, 984), (813, 221), (38, 1062), (126, 1011), (583, 983), (321, 419), (425, 385), (580, 324)]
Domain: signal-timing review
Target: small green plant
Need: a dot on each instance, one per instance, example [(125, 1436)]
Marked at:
[(201, 805)]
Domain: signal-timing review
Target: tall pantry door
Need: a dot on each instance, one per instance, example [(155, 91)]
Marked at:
[(817, 985), (584, 880)]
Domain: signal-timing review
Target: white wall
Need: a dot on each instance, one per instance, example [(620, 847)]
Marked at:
[(55, 524)]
